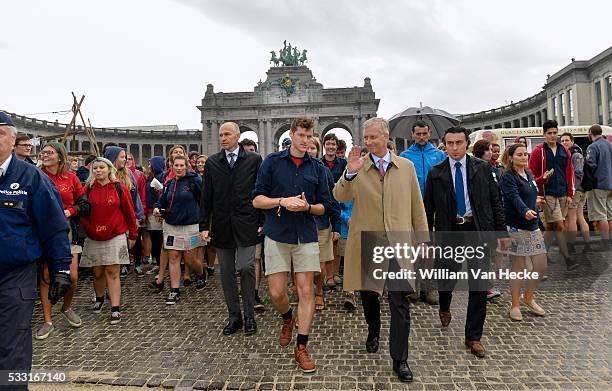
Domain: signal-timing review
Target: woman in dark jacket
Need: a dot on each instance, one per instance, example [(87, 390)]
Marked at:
[(179, 206), (520, 193)]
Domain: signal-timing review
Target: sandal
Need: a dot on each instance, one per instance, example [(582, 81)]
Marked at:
[(319, 302), (331, 285), (337, 279)]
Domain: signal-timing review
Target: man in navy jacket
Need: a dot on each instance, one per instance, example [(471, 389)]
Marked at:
[(33, 225)]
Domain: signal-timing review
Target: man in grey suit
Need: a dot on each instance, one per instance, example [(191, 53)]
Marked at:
[(229, 219)]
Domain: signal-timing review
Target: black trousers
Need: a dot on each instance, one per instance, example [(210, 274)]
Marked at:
[(399, 330), (477, 299), (17, 295)]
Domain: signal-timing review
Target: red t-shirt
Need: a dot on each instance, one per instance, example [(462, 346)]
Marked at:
[(296, 160), (69, 187), (329, 164), (109, 217)]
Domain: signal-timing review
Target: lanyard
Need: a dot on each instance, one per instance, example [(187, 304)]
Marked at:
[(173, 191)]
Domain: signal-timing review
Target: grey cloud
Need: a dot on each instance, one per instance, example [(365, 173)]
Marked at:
[(407, 48)]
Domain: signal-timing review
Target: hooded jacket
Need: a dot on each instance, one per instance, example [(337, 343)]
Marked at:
[(423, 159), (109, 216), (181, 199), (112, 153), (151, 195)]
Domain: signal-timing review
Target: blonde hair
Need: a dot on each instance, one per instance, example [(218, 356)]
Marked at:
[(112, 171), (381, 122), (317, 144)]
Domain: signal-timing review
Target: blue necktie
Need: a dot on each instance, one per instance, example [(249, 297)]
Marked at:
[(459, 196)]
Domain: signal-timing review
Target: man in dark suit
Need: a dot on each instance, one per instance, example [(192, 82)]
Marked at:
[(229, 178), (461, 195)]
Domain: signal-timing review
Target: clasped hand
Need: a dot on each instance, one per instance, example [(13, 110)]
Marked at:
[(295, 203)]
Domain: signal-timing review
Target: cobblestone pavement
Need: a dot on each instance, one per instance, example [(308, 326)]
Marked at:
[(182, 346)]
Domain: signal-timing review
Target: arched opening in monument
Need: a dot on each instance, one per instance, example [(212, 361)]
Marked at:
[(342, 134), (249, 133), (281, 134)]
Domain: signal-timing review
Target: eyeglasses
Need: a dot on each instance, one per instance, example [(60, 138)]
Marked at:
[(25, 145)]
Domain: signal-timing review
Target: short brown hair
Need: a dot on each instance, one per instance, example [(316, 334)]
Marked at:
[(302, 122), (595, 130), (480, 147), (21, 137)]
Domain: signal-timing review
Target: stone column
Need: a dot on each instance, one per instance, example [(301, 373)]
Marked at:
[(214, 138), (140, 154), (604, 101), (269, 137), (79, 145), (357, 136), (261, 137)]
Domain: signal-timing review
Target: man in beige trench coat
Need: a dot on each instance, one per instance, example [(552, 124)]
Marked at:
[(386, 198)]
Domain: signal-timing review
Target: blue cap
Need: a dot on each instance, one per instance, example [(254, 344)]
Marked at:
[(286, 142), (5, 119)]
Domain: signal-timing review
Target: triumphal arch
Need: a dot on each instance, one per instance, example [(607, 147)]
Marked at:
[(289, 90)]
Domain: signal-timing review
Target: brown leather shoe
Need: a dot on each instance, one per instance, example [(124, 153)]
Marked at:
[(286, 333), (303, 359), (445, 318), (476, 348)]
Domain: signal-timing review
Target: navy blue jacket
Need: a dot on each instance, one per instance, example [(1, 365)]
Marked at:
[(333, 213), (32, 219), (157, 165), (184, 209), (519, 196), (338, 169), (279, 177)]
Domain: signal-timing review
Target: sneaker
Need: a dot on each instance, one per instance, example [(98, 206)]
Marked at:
[(173, 298), (124, 271), (200, 283), (349, 301), (115, 317), (153, 270), (139, 272), (146, 260), (492, 293), (72, 318), (93, 297), (533, 307), (303, 359), (210, 271), (515, 314), (258, 304), (44, 331), (286, 333), (155, 286), (97, 307), (571, 264)]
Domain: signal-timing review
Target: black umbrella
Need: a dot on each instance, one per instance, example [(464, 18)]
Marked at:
[(438, 121)]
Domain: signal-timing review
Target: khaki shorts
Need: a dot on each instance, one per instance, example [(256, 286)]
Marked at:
[(599, 204), (326, 246), (578, 201), (555, 209), (341, 247), (280, 256), (258, 251)]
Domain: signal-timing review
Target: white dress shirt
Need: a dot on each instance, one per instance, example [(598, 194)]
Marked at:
[(386, 159), (235, 152)]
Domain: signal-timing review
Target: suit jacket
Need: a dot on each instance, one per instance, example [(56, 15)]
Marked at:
[(226, 205), (483, 190), (392, 205)]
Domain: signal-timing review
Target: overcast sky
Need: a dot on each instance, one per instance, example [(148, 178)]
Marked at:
[(148, 62)]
